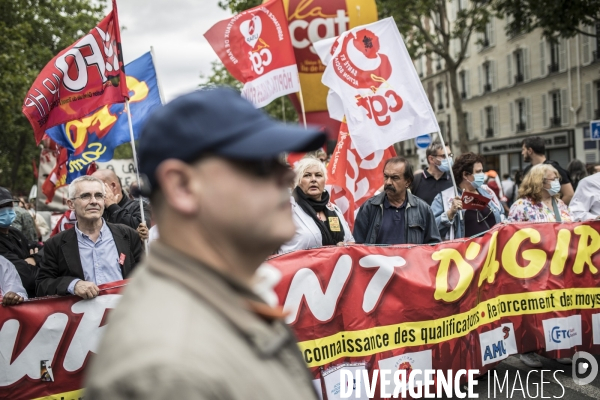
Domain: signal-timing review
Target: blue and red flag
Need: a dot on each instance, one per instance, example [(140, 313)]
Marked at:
[(95, 136)]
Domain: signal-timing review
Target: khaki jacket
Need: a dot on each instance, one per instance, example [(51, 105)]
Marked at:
[(183, 331)]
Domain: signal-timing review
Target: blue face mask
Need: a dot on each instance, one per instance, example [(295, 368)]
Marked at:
[(445, 165), (7, 216), (479, 180), (554, 188)]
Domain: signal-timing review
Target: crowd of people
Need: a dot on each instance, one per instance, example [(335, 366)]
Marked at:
[(223, 205)]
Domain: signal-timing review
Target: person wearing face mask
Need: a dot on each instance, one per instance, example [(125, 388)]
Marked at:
[(15, 247), (318, 221), (539, 197), (436, 178), (470, 178)]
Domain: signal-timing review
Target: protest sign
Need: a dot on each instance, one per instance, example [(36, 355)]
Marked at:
[(465, 304), (256, 48), (80, 79), (474, 201)]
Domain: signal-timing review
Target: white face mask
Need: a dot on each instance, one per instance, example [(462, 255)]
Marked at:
[(554, 188)]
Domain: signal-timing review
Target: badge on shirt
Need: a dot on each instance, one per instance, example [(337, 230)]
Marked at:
[(334, 224), (122, 259)]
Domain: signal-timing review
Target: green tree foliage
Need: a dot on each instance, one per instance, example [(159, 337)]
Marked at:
[(565, 18), (32, 32), (280, 109)]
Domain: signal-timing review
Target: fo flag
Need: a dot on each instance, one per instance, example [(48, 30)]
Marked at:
[(354, 179), (83, 77), (256, 48), (375, 84), (94, 137)]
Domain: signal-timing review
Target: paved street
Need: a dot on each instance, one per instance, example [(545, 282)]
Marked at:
[(516, 369)]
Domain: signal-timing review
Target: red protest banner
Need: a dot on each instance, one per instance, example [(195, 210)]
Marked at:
[(256, 48), (354, 180), (474, 201), (83, 77), (466, 304)]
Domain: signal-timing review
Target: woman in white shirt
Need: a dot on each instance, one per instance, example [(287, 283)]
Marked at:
[(318, 221), (11, 287)]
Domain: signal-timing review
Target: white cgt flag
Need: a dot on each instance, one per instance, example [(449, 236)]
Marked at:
[(375, 84)]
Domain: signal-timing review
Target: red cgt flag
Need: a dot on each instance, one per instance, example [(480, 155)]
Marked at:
[(256, 48), (354, 180), (80, 79)]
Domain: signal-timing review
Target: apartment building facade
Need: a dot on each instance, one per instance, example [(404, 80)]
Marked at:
[(518, 86)]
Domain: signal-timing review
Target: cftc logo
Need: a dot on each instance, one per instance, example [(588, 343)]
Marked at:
[(557, 334), (585, 368)]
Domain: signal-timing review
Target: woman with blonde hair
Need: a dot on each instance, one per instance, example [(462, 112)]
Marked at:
[(539, 197), (318, 221)]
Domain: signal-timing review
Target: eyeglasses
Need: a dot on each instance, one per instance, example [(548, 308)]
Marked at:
[(88, 196), (551, 180), (444, 155)]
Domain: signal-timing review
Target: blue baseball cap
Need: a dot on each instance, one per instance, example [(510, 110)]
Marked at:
[(220, 122)]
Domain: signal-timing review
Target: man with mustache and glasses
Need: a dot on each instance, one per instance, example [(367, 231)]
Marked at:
[(94, 252), (189, 326), (396, 216)]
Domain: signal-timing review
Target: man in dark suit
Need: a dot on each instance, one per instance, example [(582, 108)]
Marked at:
[(94, 252)]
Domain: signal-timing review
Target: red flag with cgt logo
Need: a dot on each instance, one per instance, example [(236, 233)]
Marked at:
[(80, 79), (474, 201), (256, 48)]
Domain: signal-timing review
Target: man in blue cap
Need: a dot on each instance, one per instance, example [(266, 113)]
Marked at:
[(188, 325)]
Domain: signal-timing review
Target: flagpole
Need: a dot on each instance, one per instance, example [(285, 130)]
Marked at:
[(160, 92), (302, 107), (450, 172), (283, 109), (135, 163)]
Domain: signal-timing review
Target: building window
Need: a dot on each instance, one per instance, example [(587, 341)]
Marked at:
[(521, 116), (555, 119), (597, 111), (554, 57), (463, 84), (487, 77), (442, 128), (519, 66), (489, 122), (487, 37), (440, 95)]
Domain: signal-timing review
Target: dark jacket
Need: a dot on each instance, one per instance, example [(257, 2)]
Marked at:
[(15, 248), (61, 262), (127, 212), (419, 220)]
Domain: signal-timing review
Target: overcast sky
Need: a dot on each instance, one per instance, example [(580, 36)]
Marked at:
[(175, 29)]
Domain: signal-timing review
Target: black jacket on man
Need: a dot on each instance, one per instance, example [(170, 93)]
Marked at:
[(419, 221), (15, 247), (127, 212), (61, 262)]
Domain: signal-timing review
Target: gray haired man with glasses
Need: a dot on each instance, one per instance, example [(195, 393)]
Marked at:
[(95, 252)]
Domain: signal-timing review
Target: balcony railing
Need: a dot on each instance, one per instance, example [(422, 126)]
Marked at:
[(489, 132), (440, 106), (597, 114), (438, 66), (554, 122), (487, 87), (595, 56), (552, 68), (485, 43), (463, 95), (521, 127), (519, 78)]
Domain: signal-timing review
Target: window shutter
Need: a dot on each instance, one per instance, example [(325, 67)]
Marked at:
[(511, 108), (585, 48), (564, 102), (588, 101), (479, 38), (543, 67), (493, 73), (525, 55), (453, 10), (562, 55), (496, 118), (491, 32), (468, 83), (509, 68), (480, 79), (528, 114), (482, 123), (470, 125), (545, 122)]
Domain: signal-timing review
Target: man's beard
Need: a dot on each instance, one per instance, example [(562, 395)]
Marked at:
[(527, 158)]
